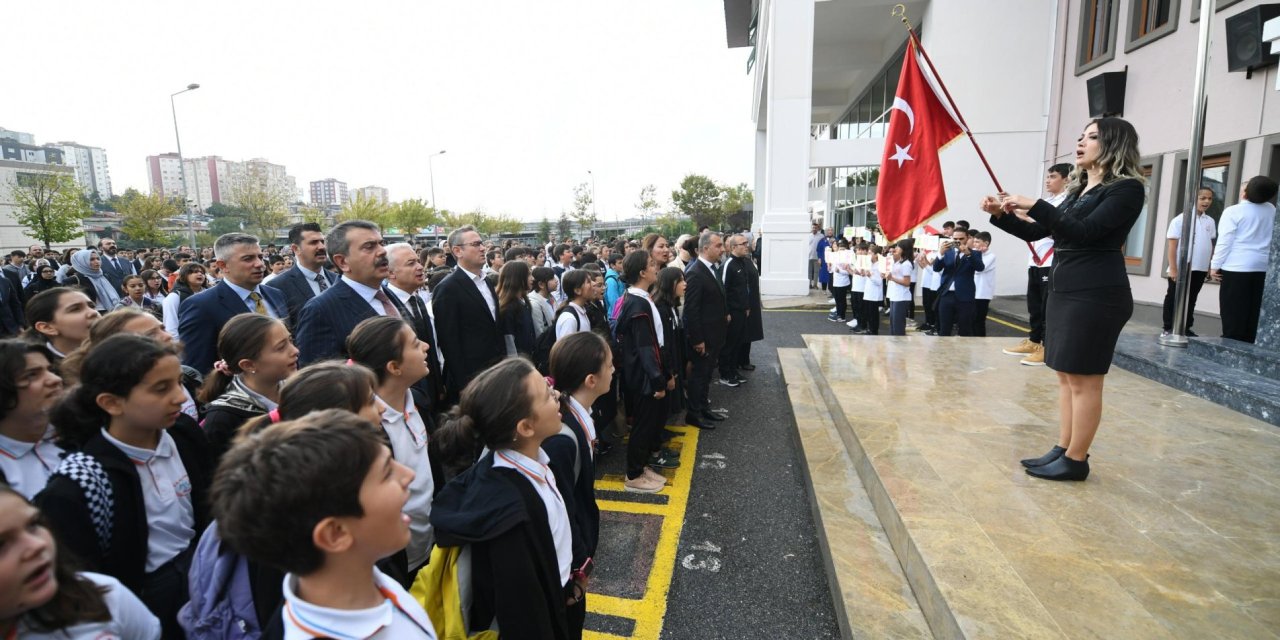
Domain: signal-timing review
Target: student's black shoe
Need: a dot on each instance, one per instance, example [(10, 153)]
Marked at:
[(603, 448), (698, 424), (747, 367), (1063, 468), (931, 332), (720, 411), (740, 379), (727, 382), (1191, 334), (660, 462), (712, 416), (858, 332), (1054, 453)]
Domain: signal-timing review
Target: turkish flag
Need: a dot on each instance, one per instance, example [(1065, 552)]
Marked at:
[(920, 124)]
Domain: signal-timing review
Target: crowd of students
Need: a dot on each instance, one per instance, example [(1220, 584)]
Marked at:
[(147, 494)]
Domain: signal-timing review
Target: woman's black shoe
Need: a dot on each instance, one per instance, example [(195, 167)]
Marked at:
[(1054, 453), (1063, 468)]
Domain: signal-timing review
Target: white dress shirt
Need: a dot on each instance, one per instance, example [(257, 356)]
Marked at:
[(984, 282), (408, 436), (1244, 237), (166, 490), (1203, 231), (544, 483), (243, 294), (571, 323), (367, 294), (478, 280), (311, 278)]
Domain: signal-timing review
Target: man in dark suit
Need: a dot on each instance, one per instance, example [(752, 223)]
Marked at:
[(307, 278), (957, 263), (404, 283), (15, 269), (325, 322), (37, 252), (706, 321), (755, 319), (201, 316), (466, 310), (737, 298), (114, 267), (12, 318)]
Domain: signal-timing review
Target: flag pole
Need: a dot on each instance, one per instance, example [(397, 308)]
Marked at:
[(900, 12)]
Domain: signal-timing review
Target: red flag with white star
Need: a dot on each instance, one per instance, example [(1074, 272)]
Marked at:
[(910, 189)]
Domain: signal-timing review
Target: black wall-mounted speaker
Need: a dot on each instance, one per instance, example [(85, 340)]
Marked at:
[(1245, 49), (1106, 94)]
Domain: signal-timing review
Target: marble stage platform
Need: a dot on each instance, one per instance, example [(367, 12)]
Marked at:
[(1176, 534)]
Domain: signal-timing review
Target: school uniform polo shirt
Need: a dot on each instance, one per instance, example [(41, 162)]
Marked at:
[(544, 482), (408, 435), (583, 414), (1203, 233), (398, 617), (166, 491), (129, 618), (28, 465)]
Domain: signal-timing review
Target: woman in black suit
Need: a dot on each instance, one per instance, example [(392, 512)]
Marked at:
[(1089, 297)]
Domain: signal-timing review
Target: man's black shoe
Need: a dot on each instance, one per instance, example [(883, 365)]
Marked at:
[(603, 448), (698, 424), (747, 367), (712, 416), (727, 382), (723, 412)]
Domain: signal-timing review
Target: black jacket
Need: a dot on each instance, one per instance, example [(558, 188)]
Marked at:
[(579, 493), (737, 291), (12, 317), (224, 417), (63, 504), (468, 333), (704, 306), (643, 366), (426, 392), (1089, 232), (297, 291), (755, 320), (517, 322), (514, 572)]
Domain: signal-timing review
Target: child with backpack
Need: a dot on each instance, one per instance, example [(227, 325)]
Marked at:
[(572, 316), (322, 499), (641, 337), (582, 367), (43, 596), (503, 522), (233, 597), (130, 502), (613, 286)]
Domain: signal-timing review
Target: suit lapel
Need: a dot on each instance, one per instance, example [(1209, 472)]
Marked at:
[(470, 287)]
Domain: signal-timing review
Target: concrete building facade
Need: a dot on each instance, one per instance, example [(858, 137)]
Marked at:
[(12, 234), (329, 192), (381, 195), (93, 173)]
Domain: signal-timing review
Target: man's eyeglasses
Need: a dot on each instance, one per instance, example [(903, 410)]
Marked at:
[(477, 244)]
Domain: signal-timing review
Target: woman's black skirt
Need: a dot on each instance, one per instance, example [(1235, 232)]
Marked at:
[(1081, 328)]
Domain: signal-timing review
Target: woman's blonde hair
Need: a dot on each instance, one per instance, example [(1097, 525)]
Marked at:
[(1118, 154)]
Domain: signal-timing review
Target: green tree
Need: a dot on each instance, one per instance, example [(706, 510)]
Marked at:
[(318, 215), (203, 239), (582, 211), (264, 202), (362, 208), (220, 209), (735, 201), (564, 226), (507, 223), (412, 216), (648, 203), (51, 207), (544, 230), (223, 225), (144, 218), (701, 200)]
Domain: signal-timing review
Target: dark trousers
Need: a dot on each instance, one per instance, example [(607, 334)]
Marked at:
[(1037, 300), (1240, 303), (911, 308), (841, 295), (1170, 298), (855, 306), (980, 308), (955, 314), (650, 416), (605, 409), (700, 378), (870, 317), (744, 353), (164, 591), (930, 299), (898, 317), (576, 617), (733, 339)]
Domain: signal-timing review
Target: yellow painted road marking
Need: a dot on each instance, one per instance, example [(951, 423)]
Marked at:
[(1010, 324), (649, 611)]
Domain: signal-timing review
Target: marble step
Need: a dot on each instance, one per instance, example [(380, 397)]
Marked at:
[(1233, 381), (1246, 357), (865, 575)]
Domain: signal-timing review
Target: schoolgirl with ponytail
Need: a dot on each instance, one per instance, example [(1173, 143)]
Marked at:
[(132, 500), (507, 507)]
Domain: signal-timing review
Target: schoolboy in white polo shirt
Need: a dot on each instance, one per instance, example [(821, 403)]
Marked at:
[(322, 499)]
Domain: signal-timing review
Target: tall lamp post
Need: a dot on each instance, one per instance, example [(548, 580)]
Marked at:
[(432, 173), (182, 166), (593, 194)]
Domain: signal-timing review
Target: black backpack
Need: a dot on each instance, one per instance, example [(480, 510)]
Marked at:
[(547, 339)]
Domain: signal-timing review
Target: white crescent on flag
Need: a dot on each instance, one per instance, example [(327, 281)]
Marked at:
[(901, 105)]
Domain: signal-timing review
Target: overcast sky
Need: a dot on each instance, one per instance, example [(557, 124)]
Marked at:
[(526, 97)]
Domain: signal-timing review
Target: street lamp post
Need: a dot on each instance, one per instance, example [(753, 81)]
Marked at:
[(182, 166), (431, 172)]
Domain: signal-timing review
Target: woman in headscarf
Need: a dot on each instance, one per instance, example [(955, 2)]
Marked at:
[(42, 280), (89, 278)]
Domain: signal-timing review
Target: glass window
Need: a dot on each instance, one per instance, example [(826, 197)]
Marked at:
[(1151, 15), (1097, 34), (1135, 245)]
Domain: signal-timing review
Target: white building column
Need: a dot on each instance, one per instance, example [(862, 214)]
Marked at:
[(788, 94), (757, 212)]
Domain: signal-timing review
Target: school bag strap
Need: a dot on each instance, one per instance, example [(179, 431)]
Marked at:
[(87, 472), (566, 430)]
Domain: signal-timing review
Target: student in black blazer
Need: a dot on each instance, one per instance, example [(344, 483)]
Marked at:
[(706, 321), (325, 322), (737, 295), (200, 317), (956, 307), (307, 278), (12, 318), (466, 309)]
